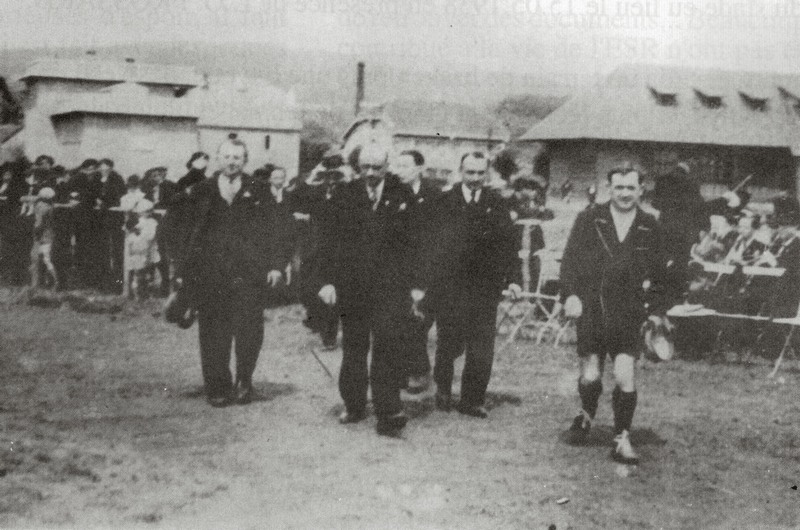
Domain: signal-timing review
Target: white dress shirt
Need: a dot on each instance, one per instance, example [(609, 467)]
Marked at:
[(229, 187), (468, 194), (375, 194)]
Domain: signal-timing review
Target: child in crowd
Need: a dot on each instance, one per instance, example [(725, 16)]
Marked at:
[(43, 235), (141, 249), (133, 194)]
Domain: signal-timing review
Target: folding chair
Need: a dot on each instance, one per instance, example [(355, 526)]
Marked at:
[(540, 311)]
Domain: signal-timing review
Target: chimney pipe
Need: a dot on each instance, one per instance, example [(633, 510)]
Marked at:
[(359, 87)]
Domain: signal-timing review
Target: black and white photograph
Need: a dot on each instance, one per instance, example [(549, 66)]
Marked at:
[(400, 264)]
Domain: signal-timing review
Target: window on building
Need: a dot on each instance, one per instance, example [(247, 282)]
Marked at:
[(754, 103), (665, 99), (266, 142), (708, 101)]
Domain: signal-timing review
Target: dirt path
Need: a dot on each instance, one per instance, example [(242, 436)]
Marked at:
[(104, 424)]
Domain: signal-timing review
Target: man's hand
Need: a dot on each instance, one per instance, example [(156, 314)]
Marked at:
[(328, 294), (573, 307), (273, 277), (514, 291)]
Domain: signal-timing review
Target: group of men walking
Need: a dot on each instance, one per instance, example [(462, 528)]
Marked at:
[(398, 255)]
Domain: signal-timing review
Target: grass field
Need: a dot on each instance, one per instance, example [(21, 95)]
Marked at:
[(104, 425)]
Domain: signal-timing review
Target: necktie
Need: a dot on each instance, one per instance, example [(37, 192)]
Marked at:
[(373, 197)]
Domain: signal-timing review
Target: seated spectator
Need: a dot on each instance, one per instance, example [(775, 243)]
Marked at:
[(747, 249)]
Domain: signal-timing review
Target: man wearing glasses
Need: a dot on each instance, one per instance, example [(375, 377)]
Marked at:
[(368, 270)]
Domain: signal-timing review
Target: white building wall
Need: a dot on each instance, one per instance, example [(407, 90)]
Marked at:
[(137, 143)]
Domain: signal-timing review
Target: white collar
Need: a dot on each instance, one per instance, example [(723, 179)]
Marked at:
[(467, 193)]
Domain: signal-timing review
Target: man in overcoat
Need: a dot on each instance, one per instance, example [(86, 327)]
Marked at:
[(613, 276)]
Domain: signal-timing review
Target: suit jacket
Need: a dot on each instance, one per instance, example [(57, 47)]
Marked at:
[(167, 193), (472, 252), (613, 279), (371, 256), (231, 248)]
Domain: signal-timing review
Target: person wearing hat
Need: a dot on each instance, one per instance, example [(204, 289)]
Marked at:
[(316, 199), (43, 235), (231, 260), (613, 277)]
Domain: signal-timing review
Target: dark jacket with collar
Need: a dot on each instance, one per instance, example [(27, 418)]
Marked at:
[(231, 248), (472, 249), (616, 279), (371, 256)]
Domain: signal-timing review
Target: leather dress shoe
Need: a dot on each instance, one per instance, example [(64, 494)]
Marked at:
[(443, 402), (391, 425), (352, 417), (243, 394), (475, 411), (219, 401)]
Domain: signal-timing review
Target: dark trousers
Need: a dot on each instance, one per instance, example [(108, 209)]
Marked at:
[(419, 364), (387, 371), (221, 322), (468, 327)]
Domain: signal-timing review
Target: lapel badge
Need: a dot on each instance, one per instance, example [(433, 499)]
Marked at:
[(247, 194), (421, 199), (402, 207)]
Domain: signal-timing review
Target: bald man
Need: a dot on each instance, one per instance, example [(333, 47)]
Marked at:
[(369, 272)]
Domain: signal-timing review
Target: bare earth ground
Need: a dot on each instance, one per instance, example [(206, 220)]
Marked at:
[(104, 425)]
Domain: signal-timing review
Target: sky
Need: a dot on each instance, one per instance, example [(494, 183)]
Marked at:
[(565, 37)]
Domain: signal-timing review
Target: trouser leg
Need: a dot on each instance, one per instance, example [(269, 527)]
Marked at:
[(248, 332), (450, 344), (387, 373), (216, 334), (354, 375), (419, 363), (479, 356)]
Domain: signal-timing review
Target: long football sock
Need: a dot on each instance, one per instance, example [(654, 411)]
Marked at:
[(590, 395), (624, 405)]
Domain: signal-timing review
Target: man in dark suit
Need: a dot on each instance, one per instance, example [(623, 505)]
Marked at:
[(315, 200), (410, 165), (470, 259), (613, 276), (231, 262), (109, 265), (368, 272), (88, 248)]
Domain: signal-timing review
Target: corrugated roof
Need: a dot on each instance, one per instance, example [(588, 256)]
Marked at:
[(125, 99), (113, 71), (623, 107), (247, 103), (437, 119)]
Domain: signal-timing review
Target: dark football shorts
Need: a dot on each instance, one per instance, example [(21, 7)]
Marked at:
[(616, 335)]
